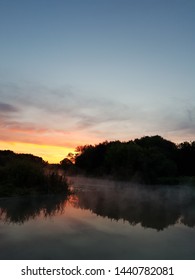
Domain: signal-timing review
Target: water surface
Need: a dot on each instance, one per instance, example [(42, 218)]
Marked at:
[(101, 220)]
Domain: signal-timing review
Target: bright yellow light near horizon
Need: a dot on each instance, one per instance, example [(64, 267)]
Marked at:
[(52, 154)]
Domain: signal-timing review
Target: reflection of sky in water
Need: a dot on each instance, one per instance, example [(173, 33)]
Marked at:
[(75, 231)]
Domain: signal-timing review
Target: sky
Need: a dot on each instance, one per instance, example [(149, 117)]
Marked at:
[(78, 72)]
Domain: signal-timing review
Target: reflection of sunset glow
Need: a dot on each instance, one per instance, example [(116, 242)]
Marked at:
[(73, 200), (52, 154)]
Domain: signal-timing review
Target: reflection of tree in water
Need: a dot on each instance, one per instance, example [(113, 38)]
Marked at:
[(21, 209), (151, 207)]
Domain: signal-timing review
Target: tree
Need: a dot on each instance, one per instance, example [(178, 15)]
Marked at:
[(66, 164)]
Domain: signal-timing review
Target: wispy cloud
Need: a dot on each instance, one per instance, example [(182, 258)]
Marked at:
[(7, 108), (64, 115), (64, 105)]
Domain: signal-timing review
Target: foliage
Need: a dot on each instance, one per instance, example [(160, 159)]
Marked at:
[(148, 159), (24, 174)]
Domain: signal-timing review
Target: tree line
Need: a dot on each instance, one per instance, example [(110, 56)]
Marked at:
[(150, 159), (28, 174)]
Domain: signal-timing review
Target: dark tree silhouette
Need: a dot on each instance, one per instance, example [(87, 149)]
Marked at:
[(148, 159), (25, 173)]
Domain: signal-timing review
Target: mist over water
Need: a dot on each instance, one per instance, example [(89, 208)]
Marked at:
[(101, 219), (152, 206)]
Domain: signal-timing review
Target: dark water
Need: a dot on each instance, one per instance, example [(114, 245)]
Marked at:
[(102, 220)]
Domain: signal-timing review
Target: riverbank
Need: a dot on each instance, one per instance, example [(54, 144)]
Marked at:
[(23, 174)]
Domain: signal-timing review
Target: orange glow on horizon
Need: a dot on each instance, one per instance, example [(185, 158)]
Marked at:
[(52, 154)]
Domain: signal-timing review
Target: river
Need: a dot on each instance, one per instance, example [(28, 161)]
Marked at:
[(102, 219)]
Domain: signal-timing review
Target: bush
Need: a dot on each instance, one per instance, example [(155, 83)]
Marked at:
[(25, 174)]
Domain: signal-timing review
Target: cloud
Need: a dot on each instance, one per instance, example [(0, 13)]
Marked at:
[(67, 115), (63, 108), (60, 116), (7, 108)]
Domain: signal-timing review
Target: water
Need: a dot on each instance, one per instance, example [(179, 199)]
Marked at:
[(101, 220)]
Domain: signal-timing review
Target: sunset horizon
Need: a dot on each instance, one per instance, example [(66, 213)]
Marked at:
[(54, 154), (77, 73), (97, 138)]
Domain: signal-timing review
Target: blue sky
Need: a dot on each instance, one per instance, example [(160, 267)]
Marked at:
[(76, 72)]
